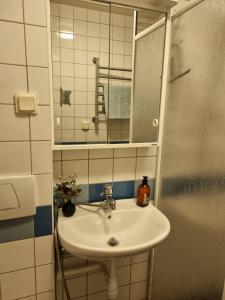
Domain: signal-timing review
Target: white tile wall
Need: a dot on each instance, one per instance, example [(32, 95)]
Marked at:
[(26, 266), (96, 282), (100, 170), (17, 265), (46, 296), (13, 11), (123, 275), (96, 166), (147, 166), (15, 158), (35, 12), (23, 283), (123, 293), (38, 79), (44, 183), (80, 166), (13, 49), (41, 124), (138, 291), (29, 298), (16, 255), (44, 250), (125, 152), (73, 155), (13, 127), (41, 157), (66, 11), (77, 286), (98, 296), (12, 79), (124, 169), (139, 272), (45, 278), (140, 257), (36, 45)]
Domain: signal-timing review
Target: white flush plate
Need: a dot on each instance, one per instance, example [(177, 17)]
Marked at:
[(18, 196)]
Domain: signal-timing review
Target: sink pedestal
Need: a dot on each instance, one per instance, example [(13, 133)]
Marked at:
[(112, 282)]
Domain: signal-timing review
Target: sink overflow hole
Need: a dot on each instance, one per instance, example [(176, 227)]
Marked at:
[(113, 242)]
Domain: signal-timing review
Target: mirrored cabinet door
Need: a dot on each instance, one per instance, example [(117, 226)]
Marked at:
[(92, 67), (148, 67)]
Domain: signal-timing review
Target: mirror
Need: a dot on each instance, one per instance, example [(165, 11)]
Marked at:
[(97, 67)]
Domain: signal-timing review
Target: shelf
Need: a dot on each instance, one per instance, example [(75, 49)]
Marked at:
[(101, 146)]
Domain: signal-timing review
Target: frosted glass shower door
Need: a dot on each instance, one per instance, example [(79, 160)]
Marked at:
[(148, 64), (190, 264)]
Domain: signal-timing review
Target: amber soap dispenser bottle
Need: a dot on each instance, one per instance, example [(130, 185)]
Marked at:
[(143, 193)]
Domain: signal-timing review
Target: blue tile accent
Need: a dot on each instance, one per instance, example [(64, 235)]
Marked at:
[(95, 191), (16, 229), (84, 195), (43, 221), (151, 183), (123, 190)]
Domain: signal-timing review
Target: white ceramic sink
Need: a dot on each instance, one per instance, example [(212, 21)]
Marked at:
[(136, 229)]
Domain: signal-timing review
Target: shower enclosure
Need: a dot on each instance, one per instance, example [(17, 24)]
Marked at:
[(190, 265)]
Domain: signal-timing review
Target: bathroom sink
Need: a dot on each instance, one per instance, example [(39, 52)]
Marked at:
[(94, 233)]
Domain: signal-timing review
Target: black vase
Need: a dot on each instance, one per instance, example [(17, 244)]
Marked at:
[(68, 209)]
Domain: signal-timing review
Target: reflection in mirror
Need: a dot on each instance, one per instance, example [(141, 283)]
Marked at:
[(92, 54)]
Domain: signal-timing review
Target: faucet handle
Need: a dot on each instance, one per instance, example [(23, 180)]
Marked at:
[(107, 192)]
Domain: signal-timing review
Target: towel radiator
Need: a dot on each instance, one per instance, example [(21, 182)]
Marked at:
[(99, 88)]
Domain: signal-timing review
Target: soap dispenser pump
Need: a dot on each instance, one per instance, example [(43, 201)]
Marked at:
[(143, 193)]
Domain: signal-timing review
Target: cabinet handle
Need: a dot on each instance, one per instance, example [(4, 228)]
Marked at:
[(58, 122), (155, 123)]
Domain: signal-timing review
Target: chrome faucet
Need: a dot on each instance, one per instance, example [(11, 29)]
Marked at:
[(108, 203), (108, 196)]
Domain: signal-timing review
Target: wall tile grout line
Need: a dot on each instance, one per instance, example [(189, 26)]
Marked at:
[(25, 48), (23, 141), (42, 293), (31, 267), (17, 22), (21, 65)]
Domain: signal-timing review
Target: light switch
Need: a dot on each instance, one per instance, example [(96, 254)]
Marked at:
[(26, 103)]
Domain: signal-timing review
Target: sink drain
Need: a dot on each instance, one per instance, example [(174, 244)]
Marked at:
[(113, 242)]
